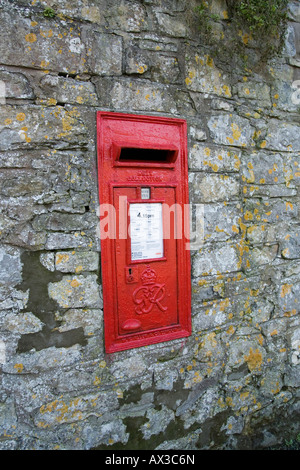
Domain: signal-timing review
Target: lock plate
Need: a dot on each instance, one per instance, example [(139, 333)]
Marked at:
[(131, 274)]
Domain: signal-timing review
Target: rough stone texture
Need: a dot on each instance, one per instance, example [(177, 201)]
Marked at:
[(234, 384)]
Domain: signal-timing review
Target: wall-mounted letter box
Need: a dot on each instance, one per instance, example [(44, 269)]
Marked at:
[(143, 193)]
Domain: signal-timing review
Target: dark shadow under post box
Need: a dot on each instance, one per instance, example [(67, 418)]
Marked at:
[(143, 195)]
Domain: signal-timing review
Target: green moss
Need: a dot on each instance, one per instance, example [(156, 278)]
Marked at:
[(49, 13), (265, 20), (260, 16), (257, 26), (205, 18)]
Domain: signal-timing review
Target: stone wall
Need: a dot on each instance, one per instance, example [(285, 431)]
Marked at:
[(234, 383)]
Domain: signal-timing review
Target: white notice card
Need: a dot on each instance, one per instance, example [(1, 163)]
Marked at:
[(146, 231)]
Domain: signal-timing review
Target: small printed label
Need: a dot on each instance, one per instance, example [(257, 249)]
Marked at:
[(146, 231)]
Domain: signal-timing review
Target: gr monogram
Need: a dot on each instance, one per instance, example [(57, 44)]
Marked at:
[(150, 293)]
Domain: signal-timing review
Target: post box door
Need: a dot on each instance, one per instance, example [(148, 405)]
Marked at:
[(146, 262), (142, 160)]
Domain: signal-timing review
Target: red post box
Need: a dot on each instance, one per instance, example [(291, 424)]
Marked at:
[(144, 229)]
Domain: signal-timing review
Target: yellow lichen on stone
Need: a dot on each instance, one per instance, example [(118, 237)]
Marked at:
[(62, 258), (20, 117), (19, 367), (31, 37), (254, 359), (75, 283), (285, 290)]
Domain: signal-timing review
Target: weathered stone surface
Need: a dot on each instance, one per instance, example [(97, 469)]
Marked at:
[(282, 136), (154, 42), (106, 58), (157, 66), (262, 168), (136, 95), (255, 91), (214, 315), (203, 76), (212, 188), (136, 61), (41, 44), (263, 233), (290, 48), (221, 222), (273, 210), (294, 11), (55, 89), (246, 352), (60, 241), (72, 410), (157, 421), (25, 183), (76, 292), (77, 9), (22, 323), (56, 221), (75, 262), (88, 319), (290, 247), (261, 256), (16, 85), (134, 366), (40, 126), (288, 297), (164, 381), (106, 434), (11, 267), (215, 260), (284, 94), (230, 130), (12, 298), (213, 159), (294, 342), (126, 16), (39, 361), (8, 422), (170, 25)]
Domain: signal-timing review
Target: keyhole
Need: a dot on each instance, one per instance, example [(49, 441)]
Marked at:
[(129, 270)]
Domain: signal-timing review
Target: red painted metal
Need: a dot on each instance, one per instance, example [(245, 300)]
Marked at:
[(146, 297)]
